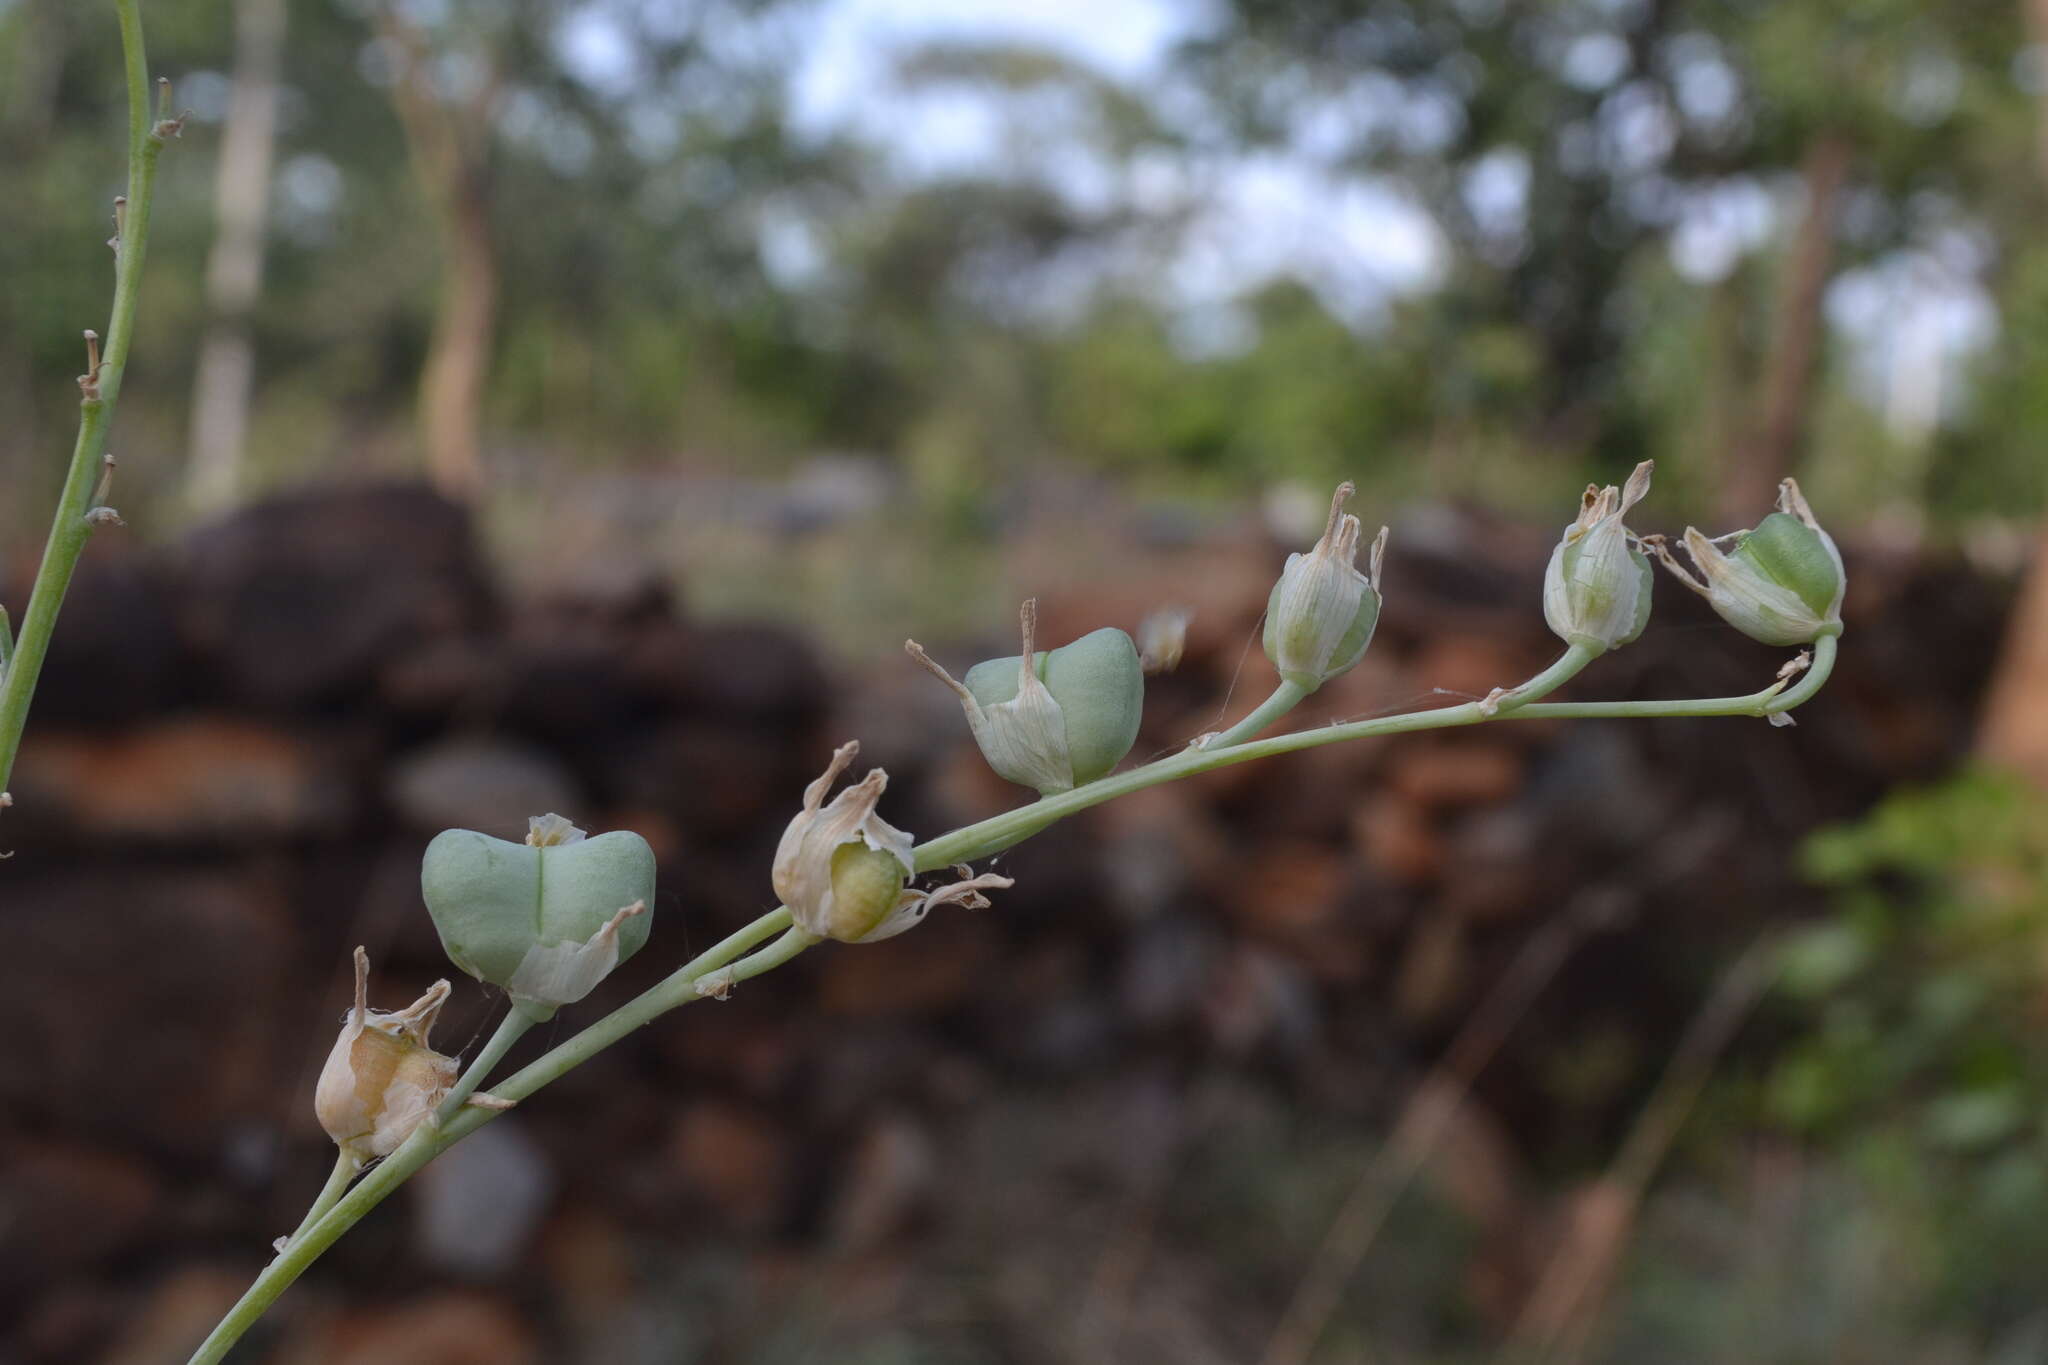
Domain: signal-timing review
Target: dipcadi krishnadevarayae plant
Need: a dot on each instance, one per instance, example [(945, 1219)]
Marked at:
[(546, 918)]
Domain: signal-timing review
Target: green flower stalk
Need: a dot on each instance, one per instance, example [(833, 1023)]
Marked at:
[(1781, 583), (79, 507), (827, 854), (1596, 589), (1052, 720)]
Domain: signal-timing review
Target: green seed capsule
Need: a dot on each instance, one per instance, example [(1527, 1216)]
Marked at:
[(1321, 613), (547, 919), (1070, 723), (1099, 685), (1781, 584), (1597, 588), (1795, 556)]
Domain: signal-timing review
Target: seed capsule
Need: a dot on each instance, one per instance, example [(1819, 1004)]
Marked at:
[(1781, 583), (844, 871), (1596, 590), (1320, 616), (547, 919), (1062, 720), (382, 1081)]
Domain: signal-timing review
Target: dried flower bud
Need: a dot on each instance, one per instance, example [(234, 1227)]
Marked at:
[(1057, 719), (1596, 591), (844, 871), (381, 1080), (547, 919), (1321, 614), (1782, 583), (1163, 639)]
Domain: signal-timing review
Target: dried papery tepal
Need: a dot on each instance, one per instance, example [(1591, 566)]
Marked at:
[(382, 1080), (1163, 639), (1053, 719), (1322, 612), (1596, 589), (844, 871), (1781, 583), (547, 919)]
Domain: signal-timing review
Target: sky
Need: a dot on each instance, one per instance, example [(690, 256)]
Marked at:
[(1357, 242)]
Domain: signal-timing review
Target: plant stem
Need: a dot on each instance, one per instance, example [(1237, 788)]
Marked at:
[(1284, 699), (430, 1140), (511, 1029), (1001, 831), (70, 530), (1773, 700), (723, 965), (1817, 672), (679, 988), (346, 1166)]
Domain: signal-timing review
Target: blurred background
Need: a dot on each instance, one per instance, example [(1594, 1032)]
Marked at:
[(572, 404)]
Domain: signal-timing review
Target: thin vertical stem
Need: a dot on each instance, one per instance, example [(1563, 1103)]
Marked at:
[(70, 529)]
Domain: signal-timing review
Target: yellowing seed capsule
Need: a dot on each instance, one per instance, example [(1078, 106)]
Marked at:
[(382, 1081)]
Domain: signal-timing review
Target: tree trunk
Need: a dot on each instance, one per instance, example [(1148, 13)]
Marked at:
[(1772, 447), (2013, 731), (452, 388), (234, 267), (450, 151)]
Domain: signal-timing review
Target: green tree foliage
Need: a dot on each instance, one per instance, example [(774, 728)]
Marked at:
[(683, 269), (1917, 1049)]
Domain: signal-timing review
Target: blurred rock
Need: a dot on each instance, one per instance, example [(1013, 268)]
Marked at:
[(476, 1206), (152, 994), (757, 672), (1293, 895), (1166, 973), (1397, 838), (176, 1316), (889, 1177), (1432, 977), (1257, 998), (925, 972), (485, 784), (591, 1267), (118, 657), (65, 1324), (718, 777), (1454, 774), (301, 600), (734, 1160), (63, 1208), (445, 1329), (205, 779)]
